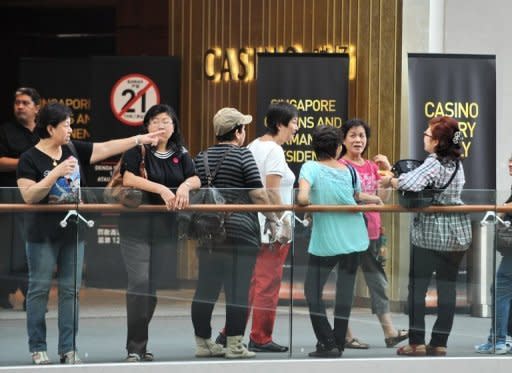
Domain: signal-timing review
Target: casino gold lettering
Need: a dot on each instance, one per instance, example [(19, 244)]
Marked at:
[(467, 129), (451, 109), (232, 64), (466, 146)]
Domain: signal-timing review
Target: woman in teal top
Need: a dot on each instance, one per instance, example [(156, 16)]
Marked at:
[(337, 238)]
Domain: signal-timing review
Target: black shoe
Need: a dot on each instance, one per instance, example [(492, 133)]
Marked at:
[(4, 303), (221, 340), (267, 347), (323, 351)]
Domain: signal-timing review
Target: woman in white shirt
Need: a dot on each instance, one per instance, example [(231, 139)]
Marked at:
[(278, 179)]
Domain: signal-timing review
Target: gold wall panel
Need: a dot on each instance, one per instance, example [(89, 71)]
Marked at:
[(372, 27)]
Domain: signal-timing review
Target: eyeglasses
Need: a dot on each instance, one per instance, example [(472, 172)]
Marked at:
[(164, 122), (426, 134)]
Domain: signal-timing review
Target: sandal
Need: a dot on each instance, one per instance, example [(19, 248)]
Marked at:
[(393, 341), (356, 344), (412, 350), (436, 350)]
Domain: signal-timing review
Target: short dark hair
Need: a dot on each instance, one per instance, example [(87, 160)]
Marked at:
[(31, 92), (351, 123), (444, 130), (230, 136), (51, 115), (279, 113), (176, 140), (326, 140)]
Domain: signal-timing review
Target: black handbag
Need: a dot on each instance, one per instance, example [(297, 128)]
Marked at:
[(504, 239), (207, 227), (422, 198)]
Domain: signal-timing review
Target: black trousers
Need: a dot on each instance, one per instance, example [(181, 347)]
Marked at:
[(423, 264), (228, 266), (145, 247), (319, 268), (13, 266)]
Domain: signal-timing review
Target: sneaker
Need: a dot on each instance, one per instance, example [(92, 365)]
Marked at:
[(40, 358), (489, 348), (134, 357), (70, 357)]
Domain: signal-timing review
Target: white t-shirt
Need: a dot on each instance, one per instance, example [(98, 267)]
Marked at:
[(270, 160)]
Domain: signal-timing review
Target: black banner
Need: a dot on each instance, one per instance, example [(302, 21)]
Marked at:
[(62, 80), (109, 97), (462, 87), (123, 89), (317, 84)]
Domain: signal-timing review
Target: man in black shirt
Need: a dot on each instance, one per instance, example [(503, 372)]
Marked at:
[(15, 138)]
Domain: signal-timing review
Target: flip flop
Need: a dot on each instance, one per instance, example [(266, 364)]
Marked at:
[(356, 344), (393, 341)]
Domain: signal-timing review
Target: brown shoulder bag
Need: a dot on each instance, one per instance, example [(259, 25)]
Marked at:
[(115, 192)]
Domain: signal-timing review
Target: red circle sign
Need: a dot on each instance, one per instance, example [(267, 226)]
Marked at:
[(132, 96)]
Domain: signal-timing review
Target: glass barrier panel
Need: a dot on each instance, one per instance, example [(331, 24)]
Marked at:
[(423, 273), (40, 275), (155, 287), (498, 338), (149, 281)]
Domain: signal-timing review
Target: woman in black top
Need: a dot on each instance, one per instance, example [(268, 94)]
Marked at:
[(49, 173), (149, 244)]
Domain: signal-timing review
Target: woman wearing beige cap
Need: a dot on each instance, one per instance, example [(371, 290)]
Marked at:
[(229, 265)]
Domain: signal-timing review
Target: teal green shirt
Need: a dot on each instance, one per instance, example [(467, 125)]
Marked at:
[(334, 233)]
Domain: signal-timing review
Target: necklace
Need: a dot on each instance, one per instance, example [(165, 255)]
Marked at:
[(54, 163)]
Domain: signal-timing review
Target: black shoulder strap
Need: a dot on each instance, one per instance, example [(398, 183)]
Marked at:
[(451, 178), (353, 174), (209, 176), (72, 149)]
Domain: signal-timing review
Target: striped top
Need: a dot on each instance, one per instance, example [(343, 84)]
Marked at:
[(236, 177), (439, 231)]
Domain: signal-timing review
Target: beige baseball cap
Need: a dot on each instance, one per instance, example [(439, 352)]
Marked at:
[(228, 118)]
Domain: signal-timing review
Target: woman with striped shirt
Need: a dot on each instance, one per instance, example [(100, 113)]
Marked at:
[(230, 264), (438, 240)]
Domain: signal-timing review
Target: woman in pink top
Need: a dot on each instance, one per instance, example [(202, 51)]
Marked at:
[(355, 139)]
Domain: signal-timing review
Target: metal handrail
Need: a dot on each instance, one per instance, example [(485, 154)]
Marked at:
[(117, 208)]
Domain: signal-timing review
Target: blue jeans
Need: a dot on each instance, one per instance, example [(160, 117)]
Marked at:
[(42, 259), (502, 301)]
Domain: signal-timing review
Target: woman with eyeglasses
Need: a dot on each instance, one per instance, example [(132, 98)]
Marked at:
[(438, 240), (149, 243)]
